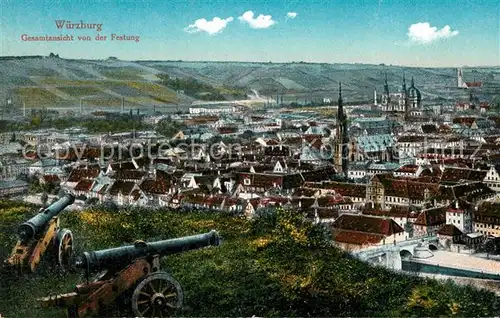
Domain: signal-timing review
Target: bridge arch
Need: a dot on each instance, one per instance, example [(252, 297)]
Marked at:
[(405, 254), (433, 247)]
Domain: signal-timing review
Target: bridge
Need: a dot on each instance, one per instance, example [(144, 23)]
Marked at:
[(389, 255)]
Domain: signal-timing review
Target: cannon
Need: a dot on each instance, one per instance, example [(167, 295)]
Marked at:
[(40, 233), (131, 272)]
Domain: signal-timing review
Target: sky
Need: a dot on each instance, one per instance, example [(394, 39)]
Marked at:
[(426, 33)]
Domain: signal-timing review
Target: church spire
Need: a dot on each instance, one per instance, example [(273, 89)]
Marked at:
[(412, 82), (340, 92), (386, 85), (403, 88), (340, 109), (342, 139)]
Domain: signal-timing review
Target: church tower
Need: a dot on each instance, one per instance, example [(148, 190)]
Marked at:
[(403, 100), (414, 96), (460, 79), (386, 98), (341, 143)]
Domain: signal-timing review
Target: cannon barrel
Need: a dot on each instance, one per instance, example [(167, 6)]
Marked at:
[(29, 229), (123, 255)]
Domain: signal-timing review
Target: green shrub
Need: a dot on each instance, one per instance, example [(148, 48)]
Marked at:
[(275, 265)]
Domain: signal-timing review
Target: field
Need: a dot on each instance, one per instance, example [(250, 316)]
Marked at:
[(55, 92), (156, 91), (122, 73), (80, 91), (274, 266), (37, 97)]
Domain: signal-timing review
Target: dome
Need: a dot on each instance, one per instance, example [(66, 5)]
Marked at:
[(414, 93)]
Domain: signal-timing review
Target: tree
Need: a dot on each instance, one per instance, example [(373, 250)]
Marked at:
[(495, 104), (91, 201), (409, 228), (167, 127), (43, 198), (247, 134)]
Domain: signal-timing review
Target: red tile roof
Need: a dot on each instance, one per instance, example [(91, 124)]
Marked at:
[(130, 174), (344, 189), (136, 194), (431, 217), (398, 212), (367, 224), (358, 238), (83, 172), (408, 168), (129, 165), (51, 178), (451, 174), (474, 84), (84, 185), (449, 230), (123, 187)]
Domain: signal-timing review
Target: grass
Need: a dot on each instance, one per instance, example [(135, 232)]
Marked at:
[(104, 101), (269, 267), (80, 91), (37, 97), (147, 93), (155, 91), (66, 82), (122, 74)]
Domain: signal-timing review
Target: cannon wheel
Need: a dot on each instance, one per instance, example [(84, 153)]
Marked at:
[(64, 247), (157, 295)]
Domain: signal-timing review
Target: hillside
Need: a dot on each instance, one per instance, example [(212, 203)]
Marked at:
[(59, 83), (274, 266)]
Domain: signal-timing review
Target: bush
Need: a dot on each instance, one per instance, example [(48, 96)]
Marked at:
[(43, 198), (92, 201), (81, 197), (274, 265)]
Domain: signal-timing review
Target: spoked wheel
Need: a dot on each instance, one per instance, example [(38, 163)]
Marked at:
[(158, 295), (64, 247)]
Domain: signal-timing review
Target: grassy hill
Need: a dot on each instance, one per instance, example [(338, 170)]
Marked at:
[(278, 265), (56, 82)]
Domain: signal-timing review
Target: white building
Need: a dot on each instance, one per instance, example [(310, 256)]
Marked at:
[(212, 110), (492, 178), (459, 214)]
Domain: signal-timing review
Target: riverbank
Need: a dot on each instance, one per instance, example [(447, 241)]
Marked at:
[(487, 284)]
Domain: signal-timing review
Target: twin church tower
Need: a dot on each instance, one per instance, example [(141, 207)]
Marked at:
[(408, 99)]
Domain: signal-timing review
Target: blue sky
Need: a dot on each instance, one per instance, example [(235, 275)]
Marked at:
[(400, 32)]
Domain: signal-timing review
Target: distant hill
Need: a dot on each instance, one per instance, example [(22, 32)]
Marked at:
[(56, 82)]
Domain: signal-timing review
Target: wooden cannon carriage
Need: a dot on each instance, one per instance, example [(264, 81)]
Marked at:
[(132, 268), (42, 233)]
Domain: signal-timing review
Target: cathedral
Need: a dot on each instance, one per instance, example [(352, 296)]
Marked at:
[(406, 101)]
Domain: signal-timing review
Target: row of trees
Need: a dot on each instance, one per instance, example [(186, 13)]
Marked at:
[(167, 127), (199, 90), (111, 123)]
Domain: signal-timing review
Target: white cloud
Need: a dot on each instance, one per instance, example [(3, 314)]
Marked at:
[(291, 15), (423, 33), (260, 22), (211, 27)]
